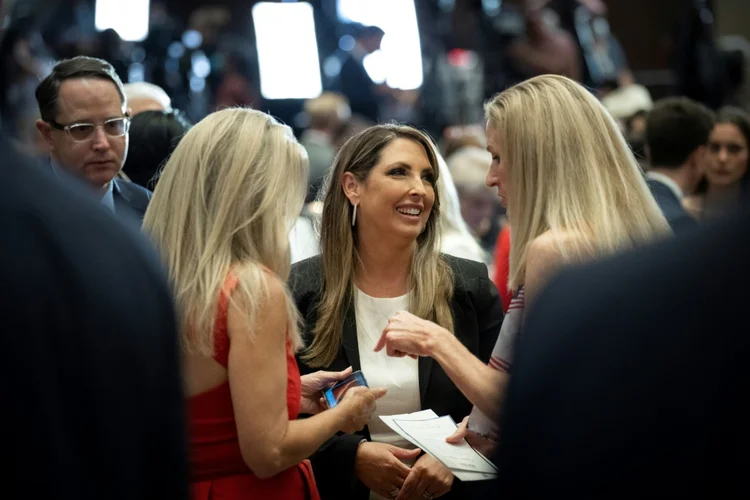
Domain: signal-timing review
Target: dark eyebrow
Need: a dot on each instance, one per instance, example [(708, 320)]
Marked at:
[(408, 167)]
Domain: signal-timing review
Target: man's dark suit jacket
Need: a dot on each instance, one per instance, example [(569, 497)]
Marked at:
[(631, 377), (131, 200), (131, 197), (477, 315), (89, 368), (359, 88), (671, 206)]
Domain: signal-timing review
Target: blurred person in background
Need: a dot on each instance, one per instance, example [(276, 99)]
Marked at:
[(85, 121), (677, 132), (235, 87), (144, 96), (219, 218), (154, 135), (635, 133), (380, 231), (468, 167), (354, 81), (456, 237), (627, 102), (545, 48), (573, 192), (459, 136), (501, 267), (110, 47), (327, 115), (727, 175)]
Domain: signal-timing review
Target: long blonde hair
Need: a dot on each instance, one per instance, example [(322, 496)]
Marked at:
[(569, 169), (224, 203), (430, 278)]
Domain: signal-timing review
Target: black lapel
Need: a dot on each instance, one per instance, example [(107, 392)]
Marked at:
[(351, 346), (425, 367)]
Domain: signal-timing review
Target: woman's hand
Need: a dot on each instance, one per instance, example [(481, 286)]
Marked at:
[(380, 467), (357, 406), (429, 478), (409, 335), (313, 384), (482, 444)]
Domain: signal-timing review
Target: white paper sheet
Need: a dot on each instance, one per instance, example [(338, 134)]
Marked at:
[(427, 431)]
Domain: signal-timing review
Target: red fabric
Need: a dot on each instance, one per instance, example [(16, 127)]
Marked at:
[(217, 467), (502, 265)]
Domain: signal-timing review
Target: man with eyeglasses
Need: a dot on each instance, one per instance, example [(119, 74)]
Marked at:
[(85, 122)]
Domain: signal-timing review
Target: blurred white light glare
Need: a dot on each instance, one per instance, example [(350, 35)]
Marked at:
[(201, 66), (287, 50), (492, 7), (346, 43), (176, 50), (402, 51), (129, 19), (192, 39), (376, 66), (197, 84), (136, 73), (332, 66)]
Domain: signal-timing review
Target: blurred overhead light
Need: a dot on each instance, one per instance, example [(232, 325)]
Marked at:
[(129, 19), (401, 47), (287, 50), (492, 7), (192, 39), (346, 43)]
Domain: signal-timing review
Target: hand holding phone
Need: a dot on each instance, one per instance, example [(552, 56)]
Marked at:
[(357, 406), (333, 395)]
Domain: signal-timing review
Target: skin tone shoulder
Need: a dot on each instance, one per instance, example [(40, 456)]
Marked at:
[(271, 443)]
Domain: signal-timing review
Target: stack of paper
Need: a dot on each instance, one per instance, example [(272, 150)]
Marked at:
[(427, 431)]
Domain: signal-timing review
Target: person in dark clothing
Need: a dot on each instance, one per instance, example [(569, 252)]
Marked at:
[(355, 82), (85, 122), (90, 368), (154, 135), (677, 132), (630, 376)]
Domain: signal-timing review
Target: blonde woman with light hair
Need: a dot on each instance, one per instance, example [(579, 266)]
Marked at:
[(220, 217), (379, 240), (573, 192)]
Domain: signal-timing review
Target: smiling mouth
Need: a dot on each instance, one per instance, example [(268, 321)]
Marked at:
[(414, 212)]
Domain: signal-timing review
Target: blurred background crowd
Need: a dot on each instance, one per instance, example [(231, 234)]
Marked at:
[(329, 68)]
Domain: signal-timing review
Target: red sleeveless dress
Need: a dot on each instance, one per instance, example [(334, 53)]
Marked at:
[(217, 468)]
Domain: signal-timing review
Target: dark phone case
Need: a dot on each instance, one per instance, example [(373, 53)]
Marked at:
[(328, 394)]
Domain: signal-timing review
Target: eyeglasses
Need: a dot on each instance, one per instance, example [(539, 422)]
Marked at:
[(82, 132)]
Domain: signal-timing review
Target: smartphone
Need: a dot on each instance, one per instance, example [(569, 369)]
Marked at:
[(333, 395)]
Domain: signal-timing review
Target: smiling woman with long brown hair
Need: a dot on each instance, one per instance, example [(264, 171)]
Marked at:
[(380, 240)]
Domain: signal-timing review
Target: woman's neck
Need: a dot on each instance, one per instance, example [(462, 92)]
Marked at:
[(383, 270)]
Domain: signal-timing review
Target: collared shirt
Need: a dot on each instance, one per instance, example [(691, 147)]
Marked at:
[(672, 185), (108, 200)]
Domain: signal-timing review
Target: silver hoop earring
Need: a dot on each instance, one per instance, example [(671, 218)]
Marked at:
[(354, 215)]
